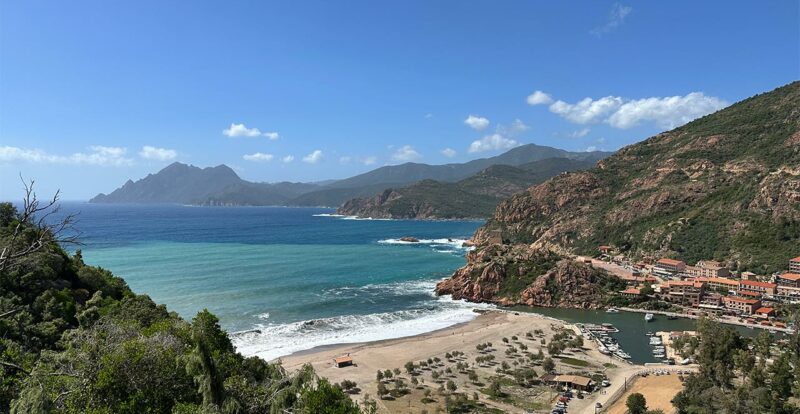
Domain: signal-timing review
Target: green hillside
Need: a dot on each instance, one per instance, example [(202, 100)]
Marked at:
[(724, 187), (473, 197)]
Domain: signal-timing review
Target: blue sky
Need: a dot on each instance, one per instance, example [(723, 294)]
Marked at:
[(95, 92)]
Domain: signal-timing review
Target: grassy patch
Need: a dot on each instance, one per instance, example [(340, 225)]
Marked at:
[(575, 362)]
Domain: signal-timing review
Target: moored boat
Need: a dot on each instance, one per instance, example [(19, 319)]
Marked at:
[(649, 317)]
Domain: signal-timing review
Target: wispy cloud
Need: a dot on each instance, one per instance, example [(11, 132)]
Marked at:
[(477, 123), (287, 159), (240, 130), (406, 153), (313, 158), (616, 17), (97, 155), (158, 154), (258, 157), (369, 160)]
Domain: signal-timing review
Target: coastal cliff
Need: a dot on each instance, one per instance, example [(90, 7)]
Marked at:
[(510, 275)]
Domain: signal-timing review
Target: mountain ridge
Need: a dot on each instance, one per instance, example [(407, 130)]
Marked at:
[(220, 185)]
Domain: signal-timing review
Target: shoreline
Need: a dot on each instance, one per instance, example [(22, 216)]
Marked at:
[(490, 326)]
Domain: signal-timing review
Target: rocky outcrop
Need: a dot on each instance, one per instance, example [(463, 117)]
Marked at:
[(509, 275)]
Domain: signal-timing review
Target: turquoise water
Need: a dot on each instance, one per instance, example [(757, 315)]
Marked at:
[(298, 276)]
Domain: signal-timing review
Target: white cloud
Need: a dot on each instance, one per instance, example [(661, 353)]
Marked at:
[(477, 123), (591, 148), (258, 157), (406, 153), (287, 159), (539, 98), (428, 115), (240, 130), (668, 112), (449, 152), (159, 154), (97, 155), (615, 19), (580, 133), (345, 160), (314, 157), (369, 160), (586, 110), (492, 142)]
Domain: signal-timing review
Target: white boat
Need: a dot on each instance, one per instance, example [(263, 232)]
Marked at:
[(612, 310), (649, 317)]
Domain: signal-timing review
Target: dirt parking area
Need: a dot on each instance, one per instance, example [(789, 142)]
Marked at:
[(657, 390)]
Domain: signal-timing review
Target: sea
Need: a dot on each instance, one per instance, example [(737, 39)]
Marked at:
[(282, 280)]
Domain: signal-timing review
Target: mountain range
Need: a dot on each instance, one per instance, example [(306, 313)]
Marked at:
[(473, 197), (220, 185)]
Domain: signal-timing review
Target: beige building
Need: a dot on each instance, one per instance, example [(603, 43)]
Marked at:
[(669, 267), (708, 268), (794, 265), (764, 288), (684, 292), (741, 305), (788, 279)]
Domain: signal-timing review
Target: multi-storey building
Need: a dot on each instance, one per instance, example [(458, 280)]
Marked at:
[(741, 305), (684, 292), (764, 288), (788, 279), (708, 268), (669, 267), (718, 283), (794, 265)]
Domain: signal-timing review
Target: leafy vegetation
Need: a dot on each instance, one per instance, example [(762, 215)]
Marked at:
[(75, 339), (738, 374)]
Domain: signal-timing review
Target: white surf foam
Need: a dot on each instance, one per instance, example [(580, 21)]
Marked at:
[(328, 215), (272, 341)]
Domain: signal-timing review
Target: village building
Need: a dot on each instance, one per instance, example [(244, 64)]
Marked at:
[(708, 268), (572, 381), (669, 268), (343, 361), (634, 280), (684, 292), (631, 293), (765, 312), (794, 265), (763, 288), (748, 276), (741, 305), (787, 293), (718, 283), (788, 279)]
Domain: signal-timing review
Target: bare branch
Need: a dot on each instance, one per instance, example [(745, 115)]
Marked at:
[(36, 223), (9, 313)]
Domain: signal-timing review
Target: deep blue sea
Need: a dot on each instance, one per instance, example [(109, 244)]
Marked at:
[(300, 276)]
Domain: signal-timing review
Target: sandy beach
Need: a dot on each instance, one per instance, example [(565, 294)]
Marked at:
[(492, 327)]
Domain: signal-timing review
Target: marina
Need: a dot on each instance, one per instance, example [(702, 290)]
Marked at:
[(628, 330)]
